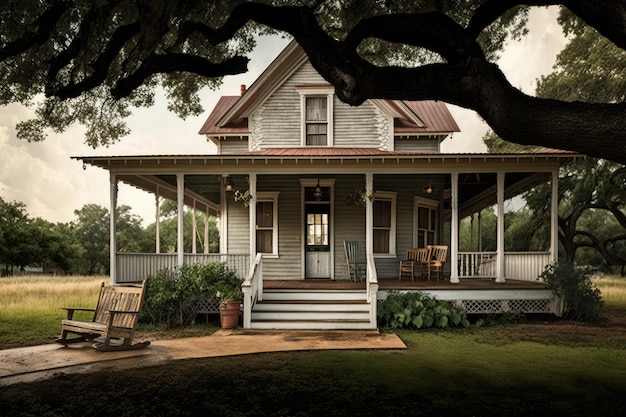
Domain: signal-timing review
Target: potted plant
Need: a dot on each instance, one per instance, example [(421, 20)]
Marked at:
[(228, 291)]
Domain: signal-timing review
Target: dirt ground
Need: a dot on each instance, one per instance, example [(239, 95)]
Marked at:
[(549, 329)]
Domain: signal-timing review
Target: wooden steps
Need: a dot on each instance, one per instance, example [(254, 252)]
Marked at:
[(312, 309)]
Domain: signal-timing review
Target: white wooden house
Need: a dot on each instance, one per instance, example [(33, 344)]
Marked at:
[(295, 156)]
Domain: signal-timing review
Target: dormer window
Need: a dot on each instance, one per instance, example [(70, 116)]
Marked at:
[(316, 103)]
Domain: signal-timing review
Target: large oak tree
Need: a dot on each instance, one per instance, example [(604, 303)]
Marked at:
[(91, 61)]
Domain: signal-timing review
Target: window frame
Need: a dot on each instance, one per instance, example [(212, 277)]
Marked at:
[(392, 197), (430, 204), (316, 92), (272, 197)]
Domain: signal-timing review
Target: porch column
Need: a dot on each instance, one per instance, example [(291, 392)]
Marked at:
[(206, 231), (223, 216), (180, 189), (369, 215), (113, 228), (194, 245), (554, 217), (454, 228), (252, 211), (157, 220), (500, 230)]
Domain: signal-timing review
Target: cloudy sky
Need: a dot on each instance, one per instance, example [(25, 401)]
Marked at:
[(42, 175)]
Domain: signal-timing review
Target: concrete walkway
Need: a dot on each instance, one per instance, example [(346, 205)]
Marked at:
[(40, 362)]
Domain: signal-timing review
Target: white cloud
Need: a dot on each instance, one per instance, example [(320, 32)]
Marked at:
[(52, 185)]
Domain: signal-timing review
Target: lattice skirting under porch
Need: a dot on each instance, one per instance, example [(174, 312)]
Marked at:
[(500, 306)]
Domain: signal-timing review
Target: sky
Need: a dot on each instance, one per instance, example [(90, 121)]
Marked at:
[(43, 176)]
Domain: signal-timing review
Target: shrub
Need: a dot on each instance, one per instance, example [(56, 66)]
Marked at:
[(416, 310), (171, 294), (573, 285)]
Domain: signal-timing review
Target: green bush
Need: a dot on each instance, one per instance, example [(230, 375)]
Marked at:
[(416, 310), (573, 285), (170, 294)]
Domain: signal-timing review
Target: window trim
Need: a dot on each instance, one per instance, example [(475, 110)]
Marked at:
[(391, 196), (264, 197), (430, 204), (316, 91)]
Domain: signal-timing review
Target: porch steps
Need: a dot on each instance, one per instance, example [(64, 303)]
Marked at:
[(312, 309)]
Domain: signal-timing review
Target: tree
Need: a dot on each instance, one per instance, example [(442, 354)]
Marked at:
[(91, 229), (15, 246), (95, 60)]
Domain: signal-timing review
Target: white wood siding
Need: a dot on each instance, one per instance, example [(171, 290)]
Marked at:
[(349, 221), (281, 121), (232, 145), (416, 145)]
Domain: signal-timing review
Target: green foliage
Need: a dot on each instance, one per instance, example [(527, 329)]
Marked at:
[(573, 285), (171, 294), (415, 310)]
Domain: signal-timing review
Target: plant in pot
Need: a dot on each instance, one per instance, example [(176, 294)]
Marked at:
[(228, 291)]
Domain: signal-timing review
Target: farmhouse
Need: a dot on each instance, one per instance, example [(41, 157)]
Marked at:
[(319, 202)]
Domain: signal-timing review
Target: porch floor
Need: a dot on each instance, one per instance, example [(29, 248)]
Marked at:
[(386, 284)]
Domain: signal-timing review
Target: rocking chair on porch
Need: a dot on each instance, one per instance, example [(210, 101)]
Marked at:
[(357, 264), (415, 260), (436, 259)]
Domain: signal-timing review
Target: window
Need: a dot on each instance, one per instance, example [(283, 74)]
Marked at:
[(425, 221), (316, 103), (316, 121), (384, 223), (267, 223)]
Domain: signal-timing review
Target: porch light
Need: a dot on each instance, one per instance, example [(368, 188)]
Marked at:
[(229, 185), (429, 188), (318, 191)]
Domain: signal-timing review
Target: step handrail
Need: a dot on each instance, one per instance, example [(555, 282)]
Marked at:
[(252, 289)]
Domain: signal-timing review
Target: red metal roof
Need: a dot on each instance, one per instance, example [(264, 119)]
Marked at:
[(434, 114), (210, 125)]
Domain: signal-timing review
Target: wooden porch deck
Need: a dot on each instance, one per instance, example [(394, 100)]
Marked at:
[(387, 284)]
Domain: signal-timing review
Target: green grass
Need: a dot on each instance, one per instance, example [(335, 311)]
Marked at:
[(540, 367)]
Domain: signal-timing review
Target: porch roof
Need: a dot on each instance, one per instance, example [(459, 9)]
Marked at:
[(203, 173)]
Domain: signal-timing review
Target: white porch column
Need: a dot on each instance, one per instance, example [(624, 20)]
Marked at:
[(180, 189), (206, 231), (500, 229), (223, 217), (252, 211), (454, 228), (194, 245), (157, 220), (480, 231), (369, 215), (113, 228), (554, 217)]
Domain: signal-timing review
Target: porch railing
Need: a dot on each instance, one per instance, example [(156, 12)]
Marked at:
[(137, 266), (252, 289), (525, 266), (372, 287)]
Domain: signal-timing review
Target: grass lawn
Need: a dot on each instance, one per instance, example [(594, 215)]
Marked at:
[(542, 366)]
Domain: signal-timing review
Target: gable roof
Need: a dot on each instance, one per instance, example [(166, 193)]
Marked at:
[(230, 114)]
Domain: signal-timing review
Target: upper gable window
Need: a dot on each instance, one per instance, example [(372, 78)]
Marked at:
[(316, 104)]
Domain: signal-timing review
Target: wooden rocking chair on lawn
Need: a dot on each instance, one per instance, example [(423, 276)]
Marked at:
[(114, 321)]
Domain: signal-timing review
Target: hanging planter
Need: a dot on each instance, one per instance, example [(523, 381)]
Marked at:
[(359, 197), (244, 197)]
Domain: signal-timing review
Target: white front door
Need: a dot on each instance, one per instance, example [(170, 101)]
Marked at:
[(317, 243)]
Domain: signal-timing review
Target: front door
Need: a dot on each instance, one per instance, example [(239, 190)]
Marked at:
[(317, 244)]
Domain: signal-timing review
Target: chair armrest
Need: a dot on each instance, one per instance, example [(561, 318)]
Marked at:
[(71, 310), (111, 315)]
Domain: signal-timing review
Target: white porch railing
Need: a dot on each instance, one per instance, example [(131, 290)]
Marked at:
[(525, 266), (138, 266), (372, 287), (252, 289)]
